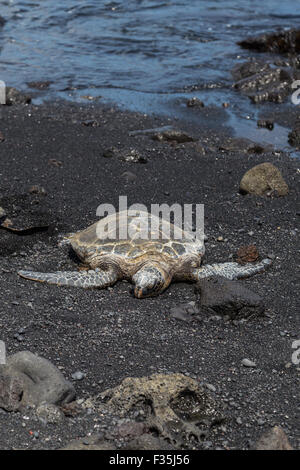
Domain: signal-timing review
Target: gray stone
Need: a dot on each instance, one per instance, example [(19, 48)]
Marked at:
[(14, 96), (41, 381), (274, 439), (228, 298), (129, 176), (184, 312), (247, 363), (78, 375)]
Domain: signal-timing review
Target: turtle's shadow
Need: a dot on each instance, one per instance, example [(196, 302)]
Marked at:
[(73, 257)]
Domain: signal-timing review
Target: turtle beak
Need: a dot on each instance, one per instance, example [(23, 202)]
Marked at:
[(139, 292)]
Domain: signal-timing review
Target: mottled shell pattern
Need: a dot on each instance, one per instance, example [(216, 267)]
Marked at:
[(132, 236)]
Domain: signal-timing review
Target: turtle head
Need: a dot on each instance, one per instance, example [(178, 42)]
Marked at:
[(150, 280)]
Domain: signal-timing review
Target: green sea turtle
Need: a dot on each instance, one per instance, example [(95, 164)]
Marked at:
[(141, 248)]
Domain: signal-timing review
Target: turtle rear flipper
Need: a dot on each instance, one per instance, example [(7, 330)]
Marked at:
[(232, 270), (85, 279)]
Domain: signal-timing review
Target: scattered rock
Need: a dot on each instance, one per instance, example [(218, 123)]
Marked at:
[(54, 162), (247, 363), (278, 94), (247, 254), (274, 439), (90, 123), (131, 155), (263, 178), (90, 97), (221, 296), (272, 85), (266, 123), (38, 380), (39, 85), (240, 144), (294, 137), (195, 103), (110, 152), (14, 96), (129, 177), (282, 42), (251, 67), (211, 387), (36, 189), (256, 149), (261, 82), (78, 375), (2, 138), (172, 135), (185, 312), (174, 405)]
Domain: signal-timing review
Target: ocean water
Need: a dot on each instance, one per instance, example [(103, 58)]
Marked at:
[(144, 55)]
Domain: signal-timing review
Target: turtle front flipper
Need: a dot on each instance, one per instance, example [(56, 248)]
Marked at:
[(232, 270), (85, 279)]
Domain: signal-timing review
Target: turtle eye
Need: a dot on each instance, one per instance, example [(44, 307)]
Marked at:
[(104, 266)]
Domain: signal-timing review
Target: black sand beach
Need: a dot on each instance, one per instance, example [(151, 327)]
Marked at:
[(110, 335)]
